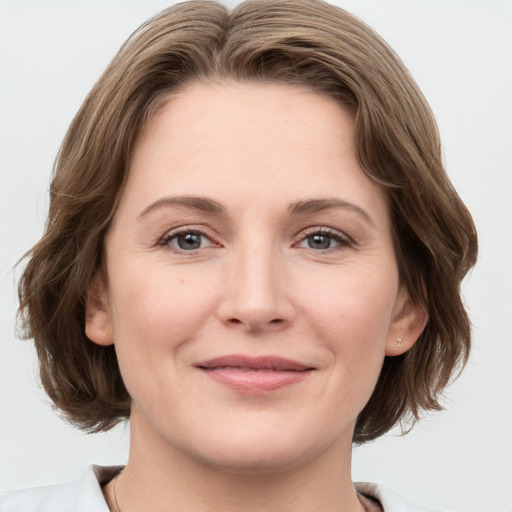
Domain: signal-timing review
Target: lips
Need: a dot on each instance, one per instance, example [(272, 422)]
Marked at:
[(255, 375)]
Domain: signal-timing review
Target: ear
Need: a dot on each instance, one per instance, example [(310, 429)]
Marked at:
[(98, 326), (408, 323)]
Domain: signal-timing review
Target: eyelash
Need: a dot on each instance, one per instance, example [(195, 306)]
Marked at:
[(183, 231), (342, 240)]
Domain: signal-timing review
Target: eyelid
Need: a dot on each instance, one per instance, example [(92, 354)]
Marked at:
[(182, 230), (344, 239)]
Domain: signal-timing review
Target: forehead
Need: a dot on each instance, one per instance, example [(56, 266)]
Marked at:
[(267, 142), (226, 117)]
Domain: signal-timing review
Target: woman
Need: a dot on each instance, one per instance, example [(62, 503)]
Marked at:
[(254, 253)]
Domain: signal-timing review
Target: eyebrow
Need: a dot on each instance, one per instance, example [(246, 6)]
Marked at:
[(204, 204), (194, 203), (318, 205)]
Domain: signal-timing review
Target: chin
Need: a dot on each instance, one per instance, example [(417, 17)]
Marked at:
[(253, 462), (254, 451)]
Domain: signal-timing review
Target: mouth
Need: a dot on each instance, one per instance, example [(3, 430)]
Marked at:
[(255, 375)]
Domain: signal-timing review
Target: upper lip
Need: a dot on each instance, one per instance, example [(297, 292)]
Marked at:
[(273, 363)]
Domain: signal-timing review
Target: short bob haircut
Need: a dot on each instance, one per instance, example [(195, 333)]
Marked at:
[(301, 42)]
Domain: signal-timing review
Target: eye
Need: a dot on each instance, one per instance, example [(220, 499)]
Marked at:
[(324, 239), (189, 240)]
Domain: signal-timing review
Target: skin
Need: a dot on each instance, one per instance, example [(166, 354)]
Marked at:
[(273, 158)]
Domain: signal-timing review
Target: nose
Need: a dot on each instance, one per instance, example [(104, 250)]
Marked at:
[(257, 296)]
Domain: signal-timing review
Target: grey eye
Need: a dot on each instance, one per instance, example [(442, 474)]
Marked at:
[(320, 241), (188, 241), (323, 240)]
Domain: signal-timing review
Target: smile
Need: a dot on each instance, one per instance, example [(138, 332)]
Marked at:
[(255, 375)]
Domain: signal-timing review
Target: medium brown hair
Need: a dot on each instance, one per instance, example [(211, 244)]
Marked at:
[(302, 42)]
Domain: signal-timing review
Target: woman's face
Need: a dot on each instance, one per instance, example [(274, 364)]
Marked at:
[(251, 287)]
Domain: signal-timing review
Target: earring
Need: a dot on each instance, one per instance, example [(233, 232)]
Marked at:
[(399, 342)]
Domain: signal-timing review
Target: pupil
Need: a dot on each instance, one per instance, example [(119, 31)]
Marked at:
[(189, 241), (319, 242)]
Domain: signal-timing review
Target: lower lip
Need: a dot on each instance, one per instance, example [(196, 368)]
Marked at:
[(256, 382)]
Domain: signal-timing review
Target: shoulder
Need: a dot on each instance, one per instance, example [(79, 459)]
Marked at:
[(82, 495), (389, 501)]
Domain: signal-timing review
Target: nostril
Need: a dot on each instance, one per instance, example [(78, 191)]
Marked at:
[(275, 322)]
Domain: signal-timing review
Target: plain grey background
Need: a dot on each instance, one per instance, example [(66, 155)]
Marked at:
[(459, 51)]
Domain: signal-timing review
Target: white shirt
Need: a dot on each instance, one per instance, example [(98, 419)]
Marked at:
[(85, 495)]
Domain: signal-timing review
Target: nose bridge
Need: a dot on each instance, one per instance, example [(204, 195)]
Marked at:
[(257, 296)]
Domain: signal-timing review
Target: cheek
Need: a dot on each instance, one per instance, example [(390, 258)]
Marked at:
[(360, 293), (155, 314), (352, 311)]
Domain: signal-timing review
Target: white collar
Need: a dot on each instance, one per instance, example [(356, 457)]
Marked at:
[(85, 495)]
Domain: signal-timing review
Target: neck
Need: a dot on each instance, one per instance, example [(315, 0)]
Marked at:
[(162, 478)]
